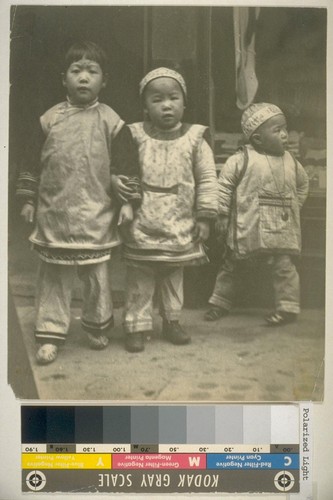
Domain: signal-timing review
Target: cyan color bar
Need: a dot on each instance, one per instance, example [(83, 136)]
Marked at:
[(252, 461)]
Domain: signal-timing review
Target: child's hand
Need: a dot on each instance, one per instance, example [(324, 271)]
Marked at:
[(28, 212), (201, 231), (120, 189), (221, 227), (125, 214)]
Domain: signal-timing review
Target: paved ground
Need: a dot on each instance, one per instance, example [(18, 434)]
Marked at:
[(235, 359)]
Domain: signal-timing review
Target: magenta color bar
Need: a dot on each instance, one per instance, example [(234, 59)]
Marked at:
[(158, 461)]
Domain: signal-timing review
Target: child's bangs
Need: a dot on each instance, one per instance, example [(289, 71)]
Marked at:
[(86, 51)]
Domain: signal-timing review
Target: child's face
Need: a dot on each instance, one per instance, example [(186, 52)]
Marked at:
[(272, 136), (84, 80), (164, 102)]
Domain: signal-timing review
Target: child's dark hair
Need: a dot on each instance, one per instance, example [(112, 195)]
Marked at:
[(89, 50)]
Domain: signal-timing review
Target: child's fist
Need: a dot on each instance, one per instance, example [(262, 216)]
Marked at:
[(28, 212), (221, 225), (118, 183), (201, 232)]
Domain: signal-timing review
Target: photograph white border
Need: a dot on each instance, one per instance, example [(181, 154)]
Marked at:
[(10, 470)]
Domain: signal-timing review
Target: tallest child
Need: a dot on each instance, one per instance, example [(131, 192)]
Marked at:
[(66, 187), (179, 186)]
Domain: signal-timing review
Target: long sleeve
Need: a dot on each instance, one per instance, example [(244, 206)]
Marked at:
[(228, 181), (302, 184), (125, 161), (30, 167), (124, 155), (206, 182)]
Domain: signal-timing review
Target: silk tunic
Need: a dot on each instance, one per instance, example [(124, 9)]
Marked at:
[(179, 186), (75, 209)]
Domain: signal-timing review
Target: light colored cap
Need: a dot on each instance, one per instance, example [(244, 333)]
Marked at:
[(162, 73), (257, 114)]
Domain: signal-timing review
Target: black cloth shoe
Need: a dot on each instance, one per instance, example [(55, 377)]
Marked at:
[(280, 318), (174, 333), (215, 313), (134, 342)]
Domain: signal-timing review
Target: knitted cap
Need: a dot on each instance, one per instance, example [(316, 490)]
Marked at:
[(257, 114), (162, 73)]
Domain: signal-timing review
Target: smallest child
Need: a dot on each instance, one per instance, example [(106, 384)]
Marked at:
[(261, 191)]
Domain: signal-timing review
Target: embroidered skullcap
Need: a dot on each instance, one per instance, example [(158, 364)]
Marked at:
[(162, 73), (257, 114)]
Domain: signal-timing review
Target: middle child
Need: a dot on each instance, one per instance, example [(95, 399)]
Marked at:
[(180, 195)]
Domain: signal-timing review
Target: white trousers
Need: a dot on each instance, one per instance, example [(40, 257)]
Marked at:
[(142, 281), (53, 299), (284, 276)]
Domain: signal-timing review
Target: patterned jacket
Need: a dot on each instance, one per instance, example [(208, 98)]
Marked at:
[(262, 195), (179, 186)]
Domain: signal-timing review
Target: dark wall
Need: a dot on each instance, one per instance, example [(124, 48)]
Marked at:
[(40, 35), (290, 66)]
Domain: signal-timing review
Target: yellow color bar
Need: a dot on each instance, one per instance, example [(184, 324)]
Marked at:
[(66, 461)]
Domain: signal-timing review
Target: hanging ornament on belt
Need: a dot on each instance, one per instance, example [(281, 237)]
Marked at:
[(282, 194)]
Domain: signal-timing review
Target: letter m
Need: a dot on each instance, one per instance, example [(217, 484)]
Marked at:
[(194, 461)]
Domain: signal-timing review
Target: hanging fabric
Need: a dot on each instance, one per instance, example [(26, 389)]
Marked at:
[(245, 19)]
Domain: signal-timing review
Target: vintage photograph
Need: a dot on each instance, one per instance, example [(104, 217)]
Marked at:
[(167, 203)]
